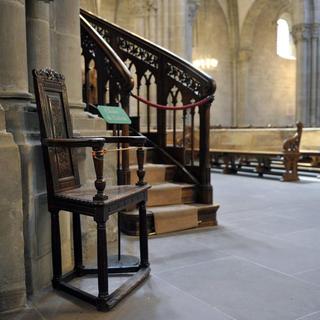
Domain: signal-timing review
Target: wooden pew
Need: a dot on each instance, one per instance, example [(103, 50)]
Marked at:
[(310, 150), (310, 142), (236, 147)]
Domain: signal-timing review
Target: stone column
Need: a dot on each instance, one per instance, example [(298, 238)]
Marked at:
[(13, 62), (25, 128), (302, 38), (12, 271), (192, 9), (137, 15), (306, 36), (13, 95), (244, 57), (163, 18), (67, 49), (178, 12), (38, 37), (152, 15), (315, 73)]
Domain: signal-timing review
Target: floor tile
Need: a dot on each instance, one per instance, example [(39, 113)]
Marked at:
[(262, 249), (311, 276), (271, 224), (154, 300), (313, 316), (245, 290), (25, 314), (175, 252), (308, 238)]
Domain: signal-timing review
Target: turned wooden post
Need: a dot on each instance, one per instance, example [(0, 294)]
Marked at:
[(162, 92), (205, 189), (143, 231), (125, 171), (140, 171), (56, 247), (100, 184)]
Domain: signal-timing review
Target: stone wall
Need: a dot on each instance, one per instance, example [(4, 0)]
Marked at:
[(37, 34), (271, 83), (12, 273), (211, 40)]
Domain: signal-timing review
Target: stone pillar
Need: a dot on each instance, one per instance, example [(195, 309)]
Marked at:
[(244, 57), (315, 73), (13, 95), (302, 38), (178, 12), (163, 16), (67, 49), (306, 36), (23, 123), (13, 62), (38, 37), (137, 10), (12, 271), (192, 8), (152, 15)]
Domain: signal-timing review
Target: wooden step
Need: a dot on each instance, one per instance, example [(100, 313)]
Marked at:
[(148, 155), (155, 173), (171, 193), (129, 221)]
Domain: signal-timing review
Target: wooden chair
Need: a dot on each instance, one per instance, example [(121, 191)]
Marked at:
[(66, 193)]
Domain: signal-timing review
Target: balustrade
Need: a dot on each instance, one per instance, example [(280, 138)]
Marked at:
[(160, 76)]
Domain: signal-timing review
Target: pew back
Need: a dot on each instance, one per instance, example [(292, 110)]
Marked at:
[(269, 140)]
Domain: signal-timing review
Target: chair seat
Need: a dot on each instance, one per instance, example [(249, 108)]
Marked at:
[(114, 193), (123, 195)]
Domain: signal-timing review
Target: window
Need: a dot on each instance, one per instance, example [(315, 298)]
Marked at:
[(285, 45)]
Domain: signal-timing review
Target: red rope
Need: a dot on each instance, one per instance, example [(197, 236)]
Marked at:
[(187, 106)]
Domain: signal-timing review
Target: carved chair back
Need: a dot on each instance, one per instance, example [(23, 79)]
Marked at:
[(55, 122)]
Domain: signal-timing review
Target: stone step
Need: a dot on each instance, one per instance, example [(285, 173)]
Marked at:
[(155, 173), (164, 219), (171, 193)]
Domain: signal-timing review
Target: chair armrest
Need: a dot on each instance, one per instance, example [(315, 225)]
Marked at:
[(132, 140), (74, 142), (97, 154)]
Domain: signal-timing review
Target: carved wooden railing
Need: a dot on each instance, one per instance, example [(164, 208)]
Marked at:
[(162, 77), (106, 80)]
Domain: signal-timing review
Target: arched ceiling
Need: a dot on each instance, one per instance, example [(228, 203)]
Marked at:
[(249, 23)]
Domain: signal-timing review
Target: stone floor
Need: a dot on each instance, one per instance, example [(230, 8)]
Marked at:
[(261, 263)]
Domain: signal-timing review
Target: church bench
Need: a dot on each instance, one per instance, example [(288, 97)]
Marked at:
[(236, 147), (310, 145), (310, 151)]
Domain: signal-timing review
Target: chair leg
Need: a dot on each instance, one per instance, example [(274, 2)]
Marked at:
[(144, 259), (102, 265), (77, 243), (56, 247)]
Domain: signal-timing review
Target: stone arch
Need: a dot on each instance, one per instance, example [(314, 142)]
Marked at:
[(266, 81), (250, 21)]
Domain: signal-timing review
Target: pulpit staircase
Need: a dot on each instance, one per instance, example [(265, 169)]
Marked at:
[(117, 63)]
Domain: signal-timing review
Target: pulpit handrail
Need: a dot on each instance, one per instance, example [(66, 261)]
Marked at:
[(117, 63)]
